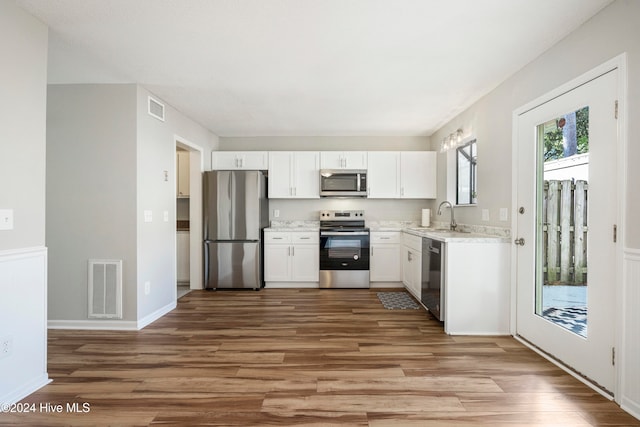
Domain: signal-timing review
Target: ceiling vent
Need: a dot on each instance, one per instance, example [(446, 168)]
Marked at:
[(156, 109)]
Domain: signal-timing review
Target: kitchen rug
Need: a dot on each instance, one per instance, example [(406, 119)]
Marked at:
[(571, 318), (397, 301)]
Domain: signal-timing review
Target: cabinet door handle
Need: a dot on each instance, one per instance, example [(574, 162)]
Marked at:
[(305, 238), (402, 191), (385, 238), (371, 250), (293, 251), (277, 238), (289, 251)]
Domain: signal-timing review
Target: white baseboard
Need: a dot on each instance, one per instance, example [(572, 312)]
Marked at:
[(97, 325), (112, 325), (631, 407), (25, 390), (147, 320)]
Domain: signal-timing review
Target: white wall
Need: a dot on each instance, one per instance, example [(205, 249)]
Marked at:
[(156, 240), (23, 256), (608, 34), (325, 143), (376, 210), (91, 192)]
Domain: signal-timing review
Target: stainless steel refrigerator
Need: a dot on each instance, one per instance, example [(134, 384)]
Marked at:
[(236, 211)]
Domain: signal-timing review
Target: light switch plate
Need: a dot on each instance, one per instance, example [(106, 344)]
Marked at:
[(165, 216), (276, 213), (6, 219), (147, 288), (485, 214), (504, 214), (148, 216)]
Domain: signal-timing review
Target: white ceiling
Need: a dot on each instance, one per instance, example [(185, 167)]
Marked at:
[(306, 67)]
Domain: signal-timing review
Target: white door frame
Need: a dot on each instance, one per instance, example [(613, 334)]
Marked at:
[(196, 275), (619, 62)]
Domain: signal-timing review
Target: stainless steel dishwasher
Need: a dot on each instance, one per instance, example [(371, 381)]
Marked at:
[(432, 295)]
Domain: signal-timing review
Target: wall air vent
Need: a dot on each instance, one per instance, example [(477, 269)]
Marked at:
[(156, 109), (105, 289)]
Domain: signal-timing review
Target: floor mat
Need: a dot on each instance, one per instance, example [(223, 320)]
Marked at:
[(397, 301), (571, 318)]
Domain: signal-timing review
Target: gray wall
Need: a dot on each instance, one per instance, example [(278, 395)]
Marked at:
[(376, 210), (91, 191), (106, 163), (23, 286), (611, 32), (156, 240)]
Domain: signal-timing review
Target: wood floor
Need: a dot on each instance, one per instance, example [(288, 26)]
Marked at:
[(305, 357)]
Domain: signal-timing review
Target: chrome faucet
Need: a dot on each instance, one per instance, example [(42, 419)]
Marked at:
[(453, 224)]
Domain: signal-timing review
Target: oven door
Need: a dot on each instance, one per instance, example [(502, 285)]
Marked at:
[(344, 250)]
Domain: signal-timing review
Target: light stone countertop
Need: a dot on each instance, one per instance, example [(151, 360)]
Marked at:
[(290, 229), (470, 234), (454, 236)]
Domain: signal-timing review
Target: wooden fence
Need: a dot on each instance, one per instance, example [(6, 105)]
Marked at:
[(565, 232)]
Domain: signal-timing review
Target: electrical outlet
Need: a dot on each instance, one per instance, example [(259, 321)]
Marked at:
[(165, 216), (148, 216), (276, 213), (485, 214), (6, 345), (6, 219), (147, 288), (504, 214)]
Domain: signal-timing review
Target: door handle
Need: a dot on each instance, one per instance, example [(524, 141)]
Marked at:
[(519, 242)]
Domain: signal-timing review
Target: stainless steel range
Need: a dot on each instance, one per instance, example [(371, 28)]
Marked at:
[(344, 250)]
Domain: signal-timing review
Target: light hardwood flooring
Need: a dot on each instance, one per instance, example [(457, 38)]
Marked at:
[(306, 357)]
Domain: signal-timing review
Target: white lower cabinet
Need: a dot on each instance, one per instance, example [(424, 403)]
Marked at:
[(476, 288), (384, 262), (291, 256), (412, 264)]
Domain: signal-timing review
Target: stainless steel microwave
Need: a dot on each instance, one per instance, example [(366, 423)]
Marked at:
[(343, 183)]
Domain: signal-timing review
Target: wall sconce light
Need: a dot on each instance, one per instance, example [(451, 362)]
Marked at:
[(451, 141)]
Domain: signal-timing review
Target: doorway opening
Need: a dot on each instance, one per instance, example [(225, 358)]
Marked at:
[(188, 196)]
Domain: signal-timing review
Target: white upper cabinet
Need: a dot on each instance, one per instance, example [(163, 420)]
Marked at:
[(401, 175), (418, 175), (383, 175), (343, 160), (239, 160), (294, 175)]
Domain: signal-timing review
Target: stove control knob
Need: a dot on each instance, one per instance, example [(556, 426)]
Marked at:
[(356, 257)]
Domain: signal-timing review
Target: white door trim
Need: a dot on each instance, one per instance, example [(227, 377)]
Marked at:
[(195, 238), (620, 63)]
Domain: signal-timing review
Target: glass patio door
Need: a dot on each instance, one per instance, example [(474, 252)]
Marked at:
[(566, 214)]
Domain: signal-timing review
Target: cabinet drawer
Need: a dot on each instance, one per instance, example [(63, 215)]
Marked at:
[(305, 237), (414, 242), (385, 237), (275, 237)]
